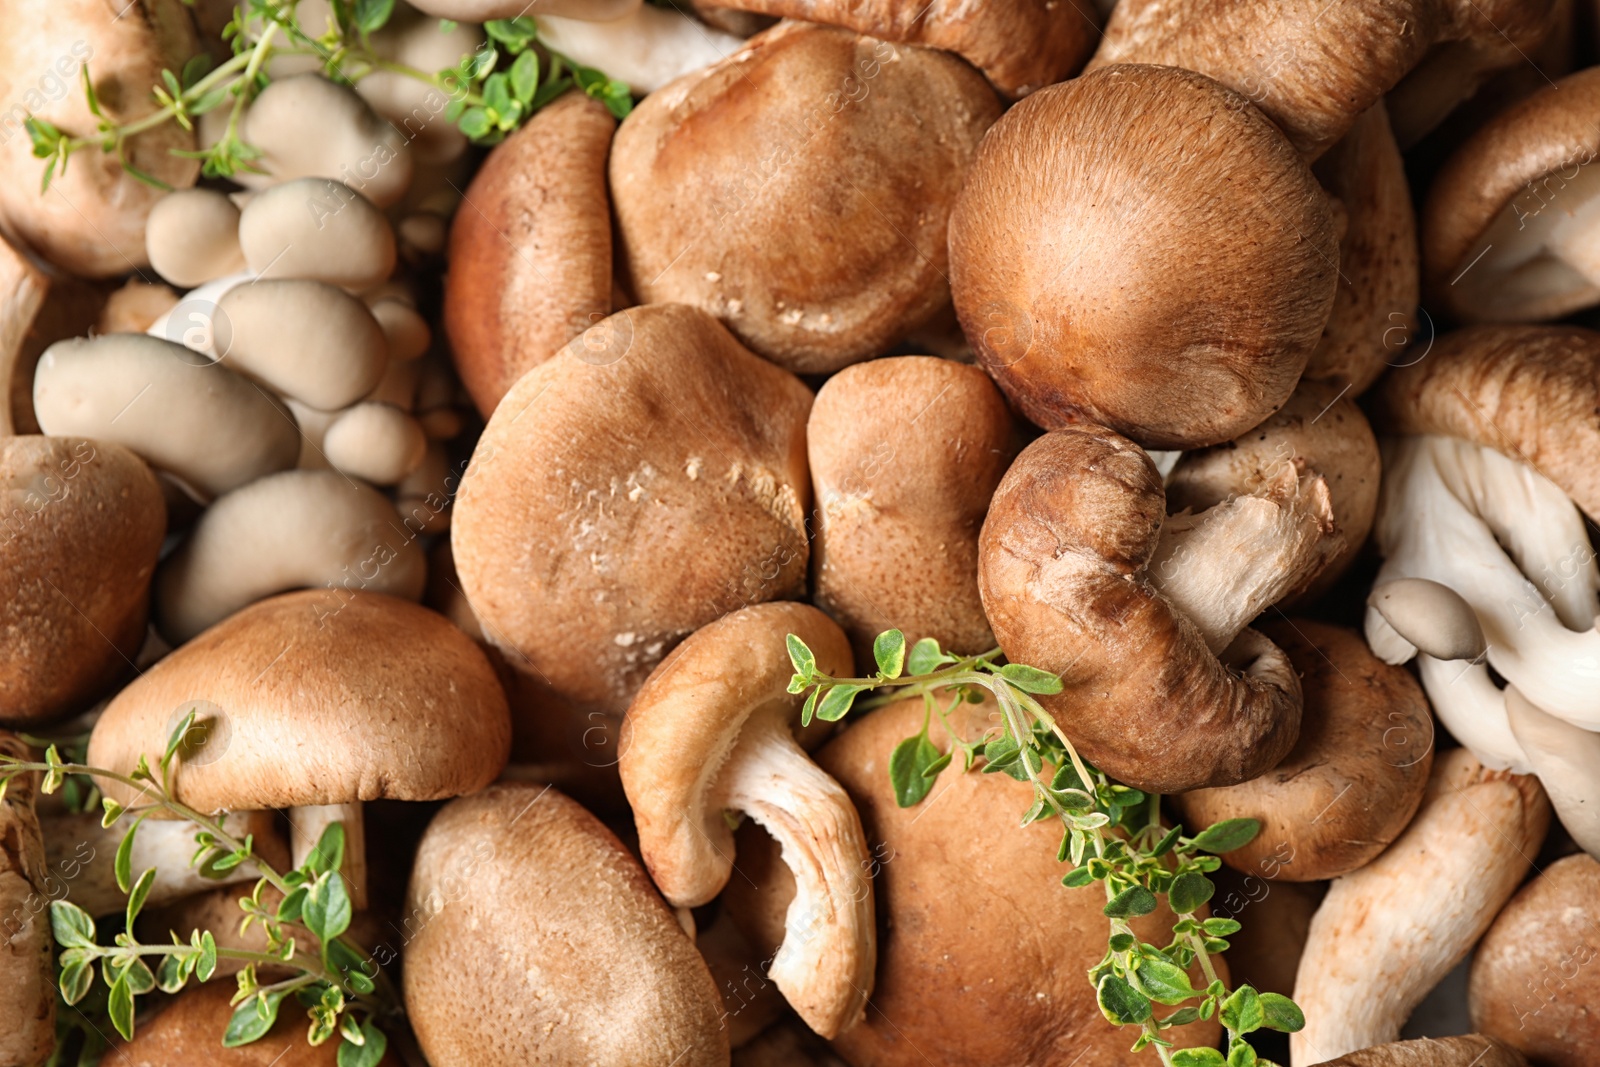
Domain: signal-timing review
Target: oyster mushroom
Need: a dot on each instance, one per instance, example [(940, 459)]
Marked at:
[(1472, 1050)]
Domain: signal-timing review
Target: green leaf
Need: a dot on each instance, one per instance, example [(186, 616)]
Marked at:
[(207, 966), (805, 662), (1220, 927), (329, 853), (327, 909), (1181, 1017), (122, 865), (932, 770), (1242, 1012), (290, 907), (366, 1054), (119, 1005), (1227, 835), (140, 893), (76, 979), (113, 812), (176, 738), (345, 961), (140, 978), (447, 25), (925, 657), (72, 926), (1161, 981), (474, 122), (809, 712), (907, 769), (1132, 901), (497, 94), (251, 1020), (525, 77), (1077, 878), (836, 703), (1198, 1057), (1031, 679), (1281, 1013), (1121, 942), (1241, 1055), (171, 976), (1120, 1002), (89, 93), (370, 16), (1000, 753), (889, 651), (516, 34), (1189, 891), (198, 67)]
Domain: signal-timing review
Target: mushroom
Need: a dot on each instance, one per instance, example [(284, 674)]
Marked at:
[(375, 441), (27, 971), (485, 10), (79, 540), (1354, 778), (414, 106), (647, 48), (1275, 915), (518, 899), (1314, 69), (91, 222), (1531, 983), (826, 164), (406, 333), (1387, 933), (649, 479), (318, 229), (193, 237), (1163, 695), (750, 1002), (23, 289), (1509, 222), (1094, 286), (135, 307), (710, 732), (1019, 45), (530, 249), (905, 454), (213, 429), (303, 339), (424, 496), (1469, 1051), (1567, 760), (291, 530), (328, 698)]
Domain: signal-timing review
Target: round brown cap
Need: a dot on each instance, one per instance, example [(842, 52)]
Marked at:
[(1472, 1050)]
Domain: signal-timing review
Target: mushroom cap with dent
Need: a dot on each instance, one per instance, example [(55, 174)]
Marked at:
[(1431, 617), (823, 165), (81, 525), (1354, 778), (1530, 392), (540, 941), (1531, 984), (1061, 568), (325, 696), (642, 483), (530, 250), (1470, 1050), (906, 453), (1140, 247)]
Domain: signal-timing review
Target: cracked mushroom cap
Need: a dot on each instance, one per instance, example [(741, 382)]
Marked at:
[(318, 697), (81, 524), (540, 941), (642, 483), (27, 971), (1096, 284), (1472, 1050), (823, 166), (1064, 569), (1509, 226), (1354, 778)]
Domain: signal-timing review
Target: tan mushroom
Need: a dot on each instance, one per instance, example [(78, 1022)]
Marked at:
[(193, 237), (1097, 283), (646, 481), (375, 441), (646, 49), (539, 941), (825, 165), (23, 289), (484, 10), (303, 339), (1469, 1051), (79, 540), (319, 229), (416, 107), (27, 973), (136, 307)]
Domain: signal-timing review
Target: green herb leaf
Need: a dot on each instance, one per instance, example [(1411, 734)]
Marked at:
[(1120, 1002), (1077, 878), (1000, 753), (1281, 1013), (1031, 679), (1198, 1057), (1241, 1055), (329, 852), (1227, 835), (925, 657), (525, 77), (475, 123), (1189, 891), (72, 926), (122, 865), (1220, 927), (327, 908), (516, 34), (172, 976), (119, 1005), (931, 771), (804, 660), (370, 16), (836, 703), (1161, 981), (1242, 1011), (1132, 901), (366, 1054), (140, 893), (1167, 841), (289, 908), (1181, 1017), (77, 977), (207, 965), (809, 712), (889, 650), (251, 1020), (907, 764)]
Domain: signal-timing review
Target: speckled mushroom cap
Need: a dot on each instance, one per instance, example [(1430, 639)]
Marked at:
[(1493, 220), (318, 697), (530, 248), (800, 190), (81, 524), (1529, 986), (1472, 1050), (1354, 778), (1313, 67), (540, 941), (646, 481), (1531, 392), (1141, 248), (1062, 570), (1019, 45)]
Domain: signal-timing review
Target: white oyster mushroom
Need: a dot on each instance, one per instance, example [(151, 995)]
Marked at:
[(646, 48)]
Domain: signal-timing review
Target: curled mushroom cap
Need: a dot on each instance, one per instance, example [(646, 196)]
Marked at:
[(1472, 1050), (1353, 779), (905, 454), (540, 941), (286, 531), (1509, 224), (1422, 615), (1387, 933), (305, 339), (317, 228), (27, 978), (212, 428), (1532, 984), (1064, 570), (825, 164), (92, 221), (80, 531), (530, 250), (193, 237), (646, 481), (709, 732), (1314, 69), (1095, 284)]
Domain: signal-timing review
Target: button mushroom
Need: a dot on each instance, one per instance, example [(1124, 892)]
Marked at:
[(27, 974), (319, 229), (710, 732), (377, 442), (193, 237), (828, 164), (1469, 1051), (1074, 272), (539, 941), (303, 339)]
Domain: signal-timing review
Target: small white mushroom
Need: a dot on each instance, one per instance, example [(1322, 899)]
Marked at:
[(406, 331), (646, 48), (421, 234), (305, 339), (1567, 760), (320, 229), (192, 321), (134, 307), (292, 530), (377, 442), (397, 387), (193, 237), (423, 496), (314, 425)]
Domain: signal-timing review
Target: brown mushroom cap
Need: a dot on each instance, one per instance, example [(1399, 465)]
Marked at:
[(1275, 917), (1354, 778), (800, 190), (1530, 392), (1531, 986), (1469, 1051), (646, 481), (905, 454), (1061, 567), (540, 941), (530, 249), (1097, 281), (79, 536), (24, 289), (27, 973), (323, 697)]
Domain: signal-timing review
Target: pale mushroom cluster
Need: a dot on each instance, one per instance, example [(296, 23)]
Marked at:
[(462, 460)]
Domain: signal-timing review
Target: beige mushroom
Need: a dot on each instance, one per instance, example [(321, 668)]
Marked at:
[(27, 974), (136, 307), (1567, 760), (23, 288), (375, 441), (423, 497), (304, 339), (484, 10), (1469, 1051), (319, 229), (193, 237), (417, 108), (647, 48), (407, 333)]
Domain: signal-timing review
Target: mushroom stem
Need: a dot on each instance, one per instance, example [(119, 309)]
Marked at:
[(1567, 760), (1473, 709), (307, 824), (826, 961)]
